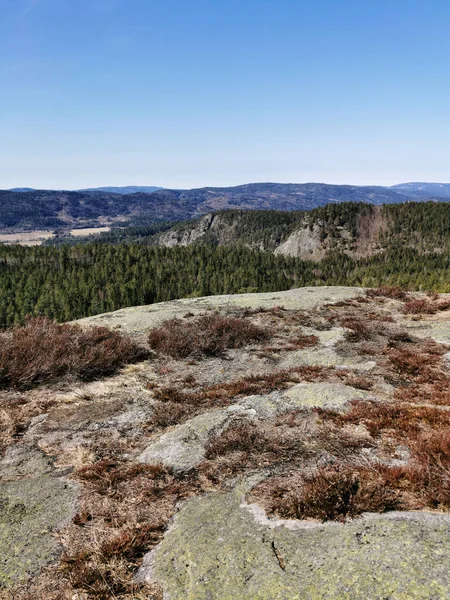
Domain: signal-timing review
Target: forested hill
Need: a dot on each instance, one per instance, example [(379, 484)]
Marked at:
[(357, 229), (40, 209)]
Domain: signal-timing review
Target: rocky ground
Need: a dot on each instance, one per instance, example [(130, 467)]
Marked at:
[(310, 462)]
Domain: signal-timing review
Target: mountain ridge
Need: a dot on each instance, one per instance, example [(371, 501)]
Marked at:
[(53, 209)]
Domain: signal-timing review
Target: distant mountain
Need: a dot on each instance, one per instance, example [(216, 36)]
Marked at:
[(286, 196), (43, 209), (423, 190), (21, 190), (129, 189)]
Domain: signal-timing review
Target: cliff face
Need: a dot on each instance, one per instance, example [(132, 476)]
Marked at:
[(211, 226), (308, 237)]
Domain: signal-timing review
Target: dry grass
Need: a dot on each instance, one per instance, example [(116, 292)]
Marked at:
[(208, 335), (42, 351), (126, 511)]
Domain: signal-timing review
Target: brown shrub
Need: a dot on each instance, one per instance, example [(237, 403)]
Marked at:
[(421, 306), (422, 365), (222, 393), (401, 420), (173, 394), (302, 341), (334, 493), (358, 330), (394, 292), (254, 438), (359, 382), (208, 335), (170, 413), (430, 472), (42, 351), (417, 306)]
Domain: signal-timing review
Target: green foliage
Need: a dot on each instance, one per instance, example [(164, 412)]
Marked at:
[(72, 282), (332, 217), (421, 225)]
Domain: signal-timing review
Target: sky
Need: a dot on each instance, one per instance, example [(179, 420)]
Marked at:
[(189, 93)]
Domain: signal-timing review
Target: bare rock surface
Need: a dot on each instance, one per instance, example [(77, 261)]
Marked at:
[(139, 318), (34, 503), (216, 548), (216, 545), (183, 447)]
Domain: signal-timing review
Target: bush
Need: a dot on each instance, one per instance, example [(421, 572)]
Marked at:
[(424, 307), (394, 292), (419, 307), (333, 494), (358, 330), (42, 351), (208, 335)]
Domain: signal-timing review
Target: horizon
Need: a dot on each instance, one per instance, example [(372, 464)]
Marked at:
[(208, 94), (132, 185)]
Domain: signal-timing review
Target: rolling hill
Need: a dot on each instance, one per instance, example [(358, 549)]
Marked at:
[(43, 209)]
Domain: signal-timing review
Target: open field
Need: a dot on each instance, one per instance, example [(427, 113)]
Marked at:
[(89, 231), (36, 238), (26, 238)]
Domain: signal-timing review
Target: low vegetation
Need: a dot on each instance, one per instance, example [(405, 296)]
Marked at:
[(42, 351), (389, 451), (207, 335)]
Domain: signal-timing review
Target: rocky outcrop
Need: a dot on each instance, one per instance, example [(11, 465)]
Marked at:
[(213, 542), (183, 448), (142, 318), (34, 504), (219, 547)]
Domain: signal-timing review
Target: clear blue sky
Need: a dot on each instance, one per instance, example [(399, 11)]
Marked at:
[(185, 93)]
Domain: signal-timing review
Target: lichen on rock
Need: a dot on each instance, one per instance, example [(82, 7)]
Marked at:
[(215, 548)]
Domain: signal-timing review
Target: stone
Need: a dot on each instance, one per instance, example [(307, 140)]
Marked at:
[(183, 448), (31, 510), (217, 549), (311, 395), (142, 318)]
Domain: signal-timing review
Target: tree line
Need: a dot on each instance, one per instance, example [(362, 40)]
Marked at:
[(71, 282)]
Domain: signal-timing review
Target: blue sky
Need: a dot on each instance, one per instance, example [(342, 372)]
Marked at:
[(185, 93)]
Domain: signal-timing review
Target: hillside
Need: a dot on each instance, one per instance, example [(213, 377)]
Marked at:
[(272, 446), (127, 189), (41, 209), (356, 229), (423, 190)]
